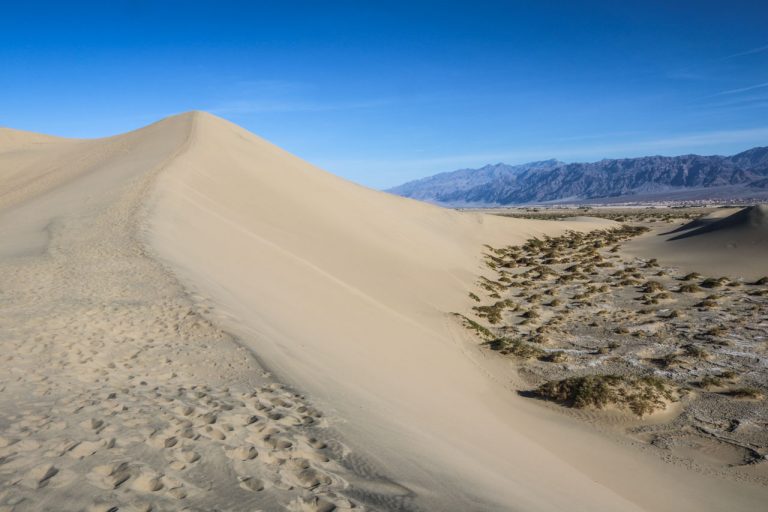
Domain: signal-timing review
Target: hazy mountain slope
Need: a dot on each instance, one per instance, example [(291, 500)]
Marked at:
[(552, 181), (453, 187)]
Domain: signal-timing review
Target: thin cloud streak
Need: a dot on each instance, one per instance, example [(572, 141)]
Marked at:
[(759, 49), (740, 90)]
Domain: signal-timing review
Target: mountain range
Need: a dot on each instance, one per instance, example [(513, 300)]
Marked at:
[(651, 178)]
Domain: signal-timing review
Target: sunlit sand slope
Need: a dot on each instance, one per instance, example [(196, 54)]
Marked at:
[(345, 293)]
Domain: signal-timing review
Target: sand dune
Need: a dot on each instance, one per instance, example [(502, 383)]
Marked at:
[(122, 386), (345, 292), (704, 220), (729, 242)]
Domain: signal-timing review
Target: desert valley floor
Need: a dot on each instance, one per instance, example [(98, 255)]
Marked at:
[(194, 319)]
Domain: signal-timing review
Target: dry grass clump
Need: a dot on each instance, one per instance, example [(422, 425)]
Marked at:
[(712, 282), (521, 349), (641, 395), (696, 351), (706, 304), (745, 392), (761, 281), (480, 330), (557, 356), (691, 276), (717, 330), (668, 361), (493, 312), (716, 381), (474, 297), (531, 314), (652, 286), (689, 288)]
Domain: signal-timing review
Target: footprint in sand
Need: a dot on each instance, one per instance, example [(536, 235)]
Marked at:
[(110, 476), (39, 476), (251, 484), (147, 481)]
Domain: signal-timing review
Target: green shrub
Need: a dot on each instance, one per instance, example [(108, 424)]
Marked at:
[(640, 395)]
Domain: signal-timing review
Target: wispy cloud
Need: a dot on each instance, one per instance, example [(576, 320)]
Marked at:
[(740, 90), (751, 51)]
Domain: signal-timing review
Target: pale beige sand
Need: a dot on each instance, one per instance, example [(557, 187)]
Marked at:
[(345, 292), (729, 242), (115, 392), (119, 388)]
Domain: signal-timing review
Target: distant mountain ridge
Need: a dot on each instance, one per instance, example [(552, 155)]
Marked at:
[(742, 175)]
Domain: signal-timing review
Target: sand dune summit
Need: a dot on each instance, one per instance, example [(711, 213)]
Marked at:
[(144, 274)]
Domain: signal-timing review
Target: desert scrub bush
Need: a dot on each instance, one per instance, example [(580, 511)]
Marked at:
[(689, 288), (712, 282), (652, 286), (493, 312), (480, 330), (642, 395), (746, 392), (557, 356), (710, 381), (497, 344), (706, 304), (474, 297), (668, 360), (523, 350), (696, 351), (498, 252), (760, 282), (691, 276), (491, 286)]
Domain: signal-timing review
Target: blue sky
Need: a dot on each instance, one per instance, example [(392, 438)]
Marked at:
[(384, 92)]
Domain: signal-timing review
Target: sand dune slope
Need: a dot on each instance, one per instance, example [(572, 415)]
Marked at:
[(730, 242), (344, 292)]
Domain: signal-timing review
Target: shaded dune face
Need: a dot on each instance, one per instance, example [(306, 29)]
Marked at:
[(724, 243), (753, 220)]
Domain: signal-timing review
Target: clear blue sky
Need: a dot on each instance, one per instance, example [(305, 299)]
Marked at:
[(383, 92)]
